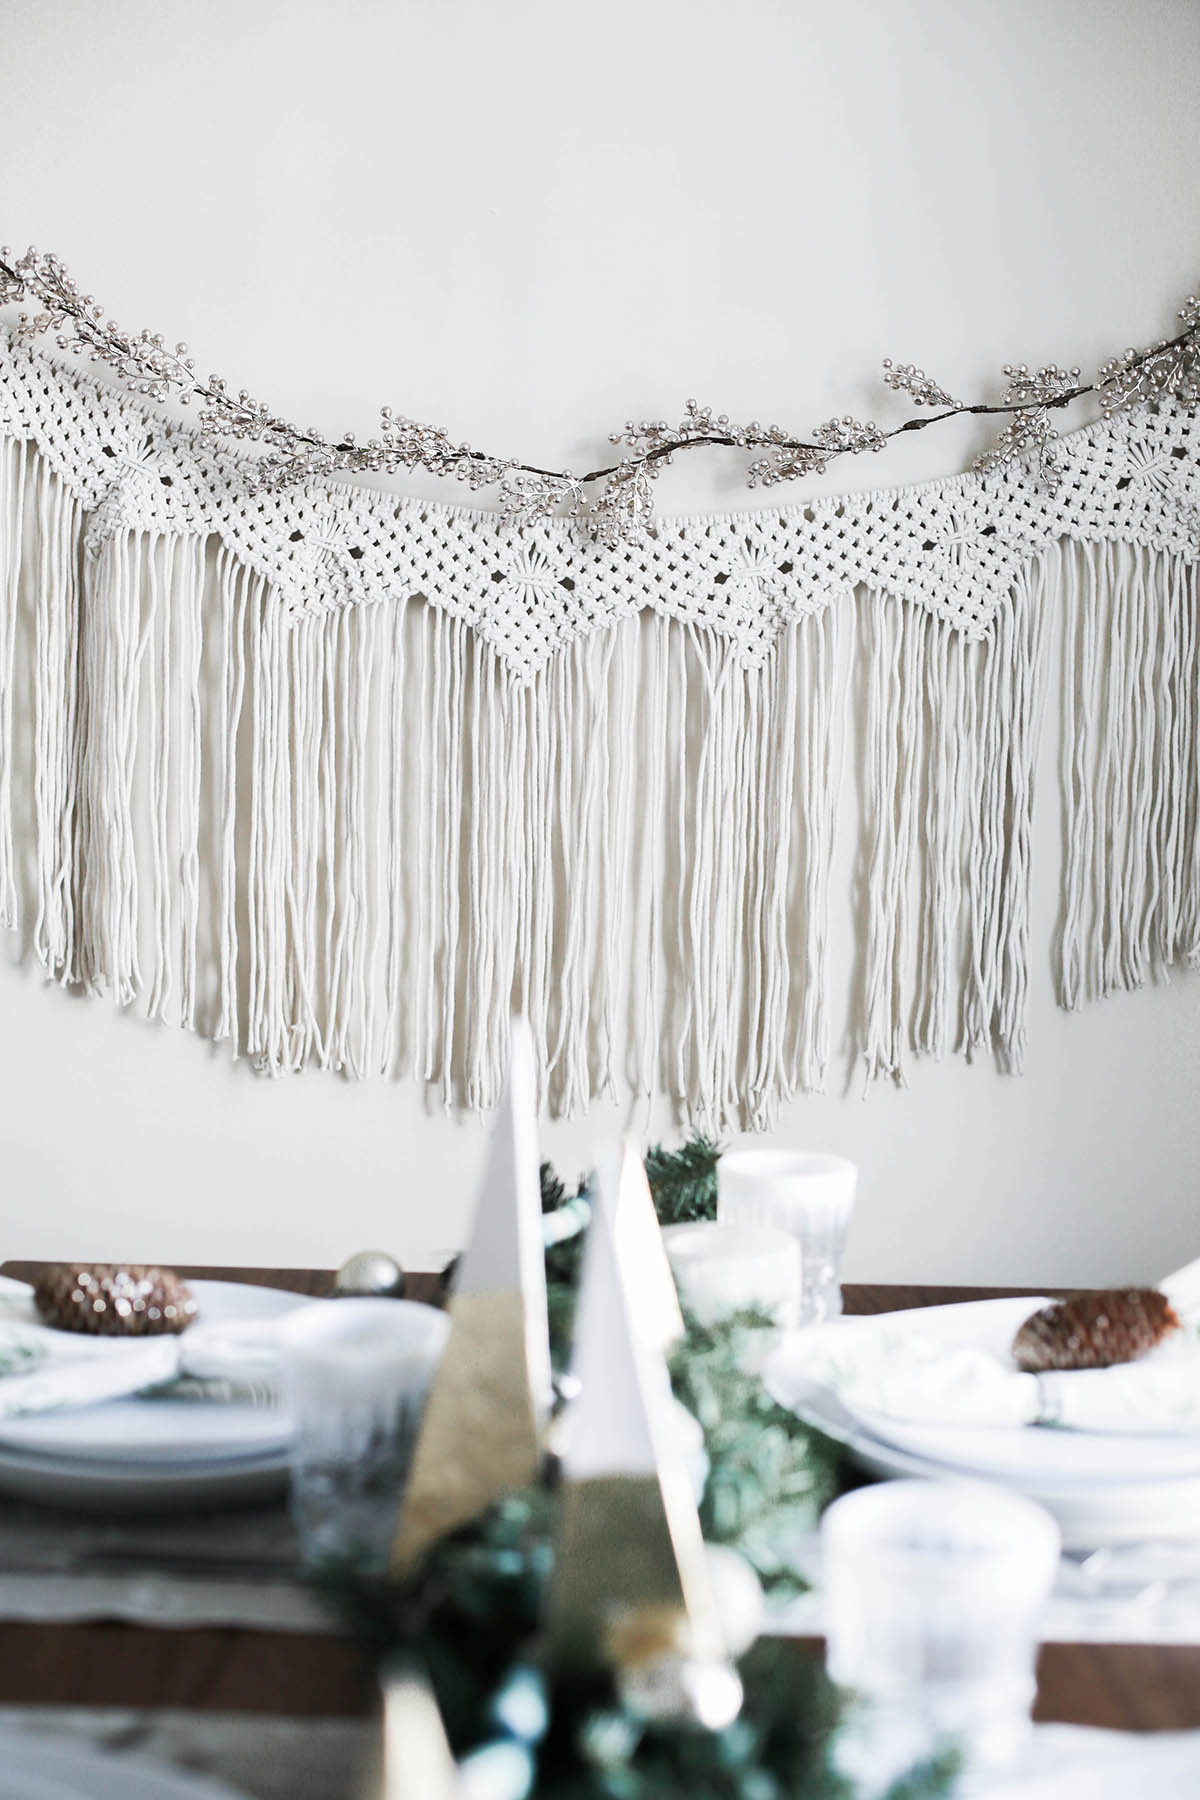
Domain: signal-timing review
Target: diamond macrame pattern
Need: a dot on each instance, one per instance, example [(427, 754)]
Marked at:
[(954, 547)]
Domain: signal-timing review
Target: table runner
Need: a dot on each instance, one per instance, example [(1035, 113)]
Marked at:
[(262, 1756), (240, 1569), (235, 1568)]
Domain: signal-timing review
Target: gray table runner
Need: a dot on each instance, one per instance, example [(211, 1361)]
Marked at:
[(241, 1569), (230, 1568), (262, 1756)]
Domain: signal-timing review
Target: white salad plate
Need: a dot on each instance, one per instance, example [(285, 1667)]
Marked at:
[(1072, 1762), (149, 1453), (1103, 1487), (34, 1768)]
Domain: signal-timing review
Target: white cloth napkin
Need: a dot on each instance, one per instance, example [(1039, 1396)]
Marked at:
[(42, 1369), (886, 1371), (236, 1350)]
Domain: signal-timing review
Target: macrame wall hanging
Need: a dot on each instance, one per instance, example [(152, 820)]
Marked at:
[(343, 778)]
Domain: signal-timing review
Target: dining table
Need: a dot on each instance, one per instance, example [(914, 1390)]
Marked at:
[(326, 1675)]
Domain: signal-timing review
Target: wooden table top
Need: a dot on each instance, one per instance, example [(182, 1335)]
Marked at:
[(1134, 1687)]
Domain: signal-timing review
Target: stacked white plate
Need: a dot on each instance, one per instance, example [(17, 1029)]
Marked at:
[(1073, 1762), (1103, 1488), (157, 1453)]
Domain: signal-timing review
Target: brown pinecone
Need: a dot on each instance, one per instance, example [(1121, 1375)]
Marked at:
[(113, 1300), (1093, 1331)]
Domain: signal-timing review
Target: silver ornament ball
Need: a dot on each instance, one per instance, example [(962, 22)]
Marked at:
[(684, 1690), (371, 1273)]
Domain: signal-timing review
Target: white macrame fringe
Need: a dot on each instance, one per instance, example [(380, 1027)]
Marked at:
[(1131, 761), (359, 840), (951, 737)]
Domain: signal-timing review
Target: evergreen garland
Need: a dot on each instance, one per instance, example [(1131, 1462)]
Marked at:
[(769, 1475)]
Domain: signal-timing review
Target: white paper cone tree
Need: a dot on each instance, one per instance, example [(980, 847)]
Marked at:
[(417, 1761), (624, 1192), (485, 1421), (630, 1542)]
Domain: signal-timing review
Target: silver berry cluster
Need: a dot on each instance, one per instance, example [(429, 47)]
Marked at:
[(921, 388), (614, 501), (1170, 367)]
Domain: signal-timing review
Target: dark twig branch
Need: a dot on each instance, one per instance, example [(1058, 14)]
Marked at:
[(615, 497)]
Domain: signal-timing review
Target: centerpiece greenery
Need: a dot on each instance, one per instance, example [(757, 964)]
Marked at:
[(470, 1613)]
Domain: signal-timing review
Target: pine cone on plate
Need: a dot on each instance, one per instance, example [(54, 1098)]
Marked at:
[(113, 1300), (1093, 1331)]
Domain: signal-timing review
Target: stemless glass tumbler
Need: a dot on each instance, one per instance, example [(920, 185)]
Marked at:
[(809, 1196), (356, 1375), (933, 1591), (723, 1269)]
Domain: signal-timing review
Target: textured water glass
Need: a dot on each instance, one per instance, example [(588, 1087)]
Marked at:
[(933, 1592), (811, 1197), (721, 1269), (356, 1375)]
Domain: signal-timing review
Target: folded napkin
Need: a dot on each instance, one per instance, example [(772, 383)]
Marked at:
[(236, 1350), (43, 1369), (889, 1372)]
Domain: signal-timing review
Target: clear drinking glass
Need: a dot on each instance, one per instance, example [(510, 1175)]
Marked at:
[(932, 1592), (356, 1375), (721, 1269), (811, 1197)]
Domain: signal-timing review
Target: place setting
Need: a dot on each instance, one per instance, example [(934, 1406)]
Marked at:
[(144, 1439), (1090, 1405)]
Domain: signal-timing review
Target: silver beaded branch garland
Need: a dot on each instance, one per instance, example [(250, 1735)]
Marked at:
[(615, 501)]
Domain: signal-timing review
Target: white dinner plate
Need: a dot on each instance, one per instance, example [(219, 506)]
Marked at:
[(90, 1485), (34, 1768), (1097, 1485), (145, 1431), (1070, 1762), (1051, 1456), (157, 1454), (1112, 1514)]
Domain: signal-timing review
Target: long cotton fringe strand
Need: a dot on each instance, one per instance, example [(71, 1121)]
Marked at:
[(951, 737), (359, 840), (1131, 705)]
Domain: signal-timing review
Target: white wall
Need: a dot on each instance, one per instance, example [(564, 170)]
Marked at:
[(528, 221)]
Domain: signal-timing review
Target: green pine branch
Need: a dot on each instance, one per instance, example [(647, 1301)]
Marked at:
[(684, 1181)]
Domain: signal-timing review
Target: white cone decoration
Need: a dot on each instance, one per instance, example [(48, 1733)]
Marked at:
[(621, 1186), (485, 1421), (417, 1763), (630, 1556)]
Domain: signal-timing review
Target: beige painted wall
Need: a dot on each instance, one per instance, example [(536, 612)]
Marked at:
[(528, 221)]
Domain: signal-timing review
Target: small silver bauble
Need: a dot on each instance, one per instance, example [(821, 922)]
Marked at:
[(372, 1273), (683, 1689)]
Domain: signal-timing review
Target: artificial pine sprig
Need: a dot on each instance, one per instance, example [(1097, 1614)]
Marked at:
[(554, 1192), (683, 1182)]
